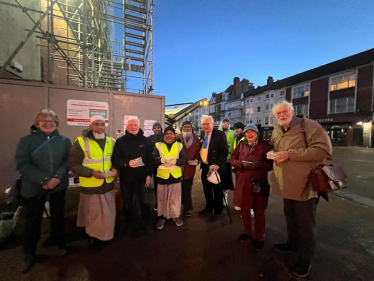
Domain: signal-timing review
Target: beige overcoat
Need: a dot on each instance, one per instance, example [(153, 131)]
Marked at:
[(290, 178)]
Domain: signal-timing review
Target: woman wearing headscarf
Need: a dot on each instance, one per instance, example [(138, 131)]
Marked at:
[(169, 157), (42, 160), (252, 188)]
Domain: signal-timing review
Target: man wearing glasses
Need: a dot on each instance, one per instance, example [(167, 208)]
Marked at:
[(213, 154), (299, 145)]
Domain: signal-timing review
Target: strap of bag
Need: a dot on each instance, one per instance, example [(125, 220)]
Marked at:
[(42, 145), (302, 130)]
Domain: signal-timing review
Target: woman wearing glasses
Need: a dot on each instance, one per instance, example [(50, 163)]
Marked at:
[(42, 160)]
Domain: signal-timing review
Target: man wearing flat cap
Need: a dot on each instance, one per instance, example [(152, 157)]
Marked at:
[(90, 159), (155, 138)]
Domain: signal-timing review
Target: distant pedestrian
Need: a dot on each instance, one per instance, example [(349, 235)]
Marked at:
[(42, 160), (192, 145), (169, 157), (238, 130), (227, 183), (295, 153), (90, 159), (252, 187), (213, 155), (155, 138), (132, 157)]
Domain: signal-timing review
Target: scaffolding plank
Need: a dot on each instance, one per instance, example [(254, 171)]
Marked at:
[(135, 44), (135, 36), (134, 51), (135, 9)]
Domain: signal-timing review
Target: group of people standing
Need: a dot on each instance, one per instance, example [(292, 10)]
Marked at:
[(44, 158)]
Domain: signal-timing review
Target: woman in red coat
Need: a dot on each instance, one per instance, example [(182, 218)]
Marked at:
[(252, 188)]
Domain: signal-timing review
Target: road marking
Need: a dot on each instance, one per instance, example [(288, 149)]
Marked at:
[(355, 198)]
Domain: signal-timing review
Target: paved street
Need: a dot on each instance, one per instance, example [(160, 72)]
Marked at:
[(199, 250)]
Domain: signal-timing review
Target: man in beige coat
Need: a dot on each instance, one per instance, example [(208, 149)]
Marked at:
[(299, 145)]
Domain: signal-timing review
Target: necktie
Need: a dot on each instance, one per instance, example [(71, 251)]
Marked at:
[(204, 150)]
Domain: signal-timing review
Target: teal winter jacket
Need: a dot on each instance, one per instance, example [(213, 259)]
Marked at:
[(39, 158)]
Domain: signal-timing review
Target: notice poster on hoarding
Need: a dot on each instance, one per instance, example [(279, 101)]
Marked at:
[(79, 112), (148, 124)]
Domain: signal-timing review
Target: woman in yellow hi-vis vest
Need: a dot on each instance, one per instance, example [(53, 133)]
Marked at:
[(169, 156)]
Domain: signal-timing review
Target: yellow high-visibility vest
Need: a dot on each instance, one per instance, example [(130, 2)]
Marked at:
[(242, 139), (163, 171), (96, 159)]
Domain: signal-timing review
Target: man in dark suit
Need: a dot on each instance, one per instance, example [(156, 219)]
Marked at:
[(213, 154)]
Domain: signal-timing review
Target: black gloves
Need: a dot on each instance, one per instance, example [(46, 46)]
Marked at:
[(249, 165)]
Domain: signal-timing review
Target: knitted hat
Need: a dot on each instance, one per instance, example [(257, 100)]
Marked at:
[(156, 125), (238, 125), (226, 119), (250, 126), (186, 123), (169, 129)]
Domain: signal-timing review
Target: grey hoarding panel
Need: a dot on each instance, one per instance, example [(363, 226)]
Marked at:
[(20, 101)]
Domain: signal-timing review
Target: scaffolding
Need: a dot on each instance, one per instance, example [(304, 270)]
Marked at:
[(104, 44)]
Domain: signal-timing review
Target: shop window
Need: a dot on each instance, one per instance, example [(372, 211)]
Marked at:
[(301, 109)]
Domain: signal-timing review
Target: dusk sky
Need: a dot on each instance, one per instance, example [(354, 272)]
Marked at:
[(201, 45)]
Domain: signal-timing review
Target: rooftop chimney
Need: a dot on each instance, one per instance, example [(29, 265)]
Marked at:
[(269, 81)]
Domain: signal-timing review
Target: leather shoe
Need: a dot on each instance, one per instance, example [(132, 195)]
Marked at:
[(206, 211)]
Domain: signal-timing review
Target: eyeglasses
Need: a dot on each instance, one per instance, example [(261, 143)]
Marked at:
[(283, 112), (47, 121), (205, 124)]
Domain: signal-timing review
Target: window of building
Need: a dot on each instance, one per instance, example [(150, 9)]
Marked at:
[(247, 101), (212, 108), (258, 108), (301, 109), (341, 105), (222, 106), (250, 120), (266, 120), (272, 95), (282, 93), (342, 81), (267, 106), (250, 100), (258, 120), (266, 96), (271, 120), (300, 91)]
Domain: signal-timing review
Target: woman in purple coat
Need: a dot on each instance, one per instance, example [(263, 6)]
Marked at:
[(252, 188)]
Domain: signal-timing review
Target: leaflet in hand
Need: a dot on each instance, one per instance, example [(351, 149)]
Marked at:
[(138, 161)]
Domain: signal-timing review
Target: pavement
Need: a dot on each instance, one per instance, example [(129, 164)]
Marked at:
[(202, 250)]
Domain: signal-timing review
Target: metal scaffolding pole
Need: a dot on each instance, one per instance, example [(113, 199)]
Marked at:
[(96, 43)]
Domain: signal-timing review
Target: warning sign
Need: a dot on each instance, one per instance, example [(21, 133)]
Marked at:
[(79, 112)]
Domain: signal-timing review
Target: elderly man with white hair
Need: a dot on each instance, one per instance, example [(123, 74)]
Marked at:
[(299, 145), (90, 159), (132, 157), (213, 155)]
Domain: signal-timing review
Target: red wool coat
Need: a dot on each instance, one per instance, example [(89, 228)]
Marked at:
[(192, 154), (243, 195)]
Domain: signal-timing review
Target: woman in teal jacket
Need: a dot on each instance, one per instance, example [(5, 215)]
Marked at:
[(42, 160)]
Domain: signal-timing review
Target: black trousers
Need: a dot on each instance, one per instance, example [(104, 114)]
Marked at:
[(227, 183), (213, 192), (155, 182), (301, 226), (135, 201), (34, 208), (186, 194)]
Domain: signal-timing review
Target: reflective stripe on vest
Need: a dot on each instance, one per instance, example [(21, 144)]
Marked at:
[(96, 159), (164, 172), (235, 145)]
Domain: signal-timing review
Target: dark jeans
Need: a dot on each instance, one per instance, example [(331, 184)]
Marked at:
[(301, 226), (34, 208), (186, 194), (213, 192)]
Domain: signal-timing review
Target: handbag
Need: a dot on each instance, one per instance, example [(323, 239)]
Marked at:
[(213, 177), (262, 188), (13, 194), (327, 178)]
